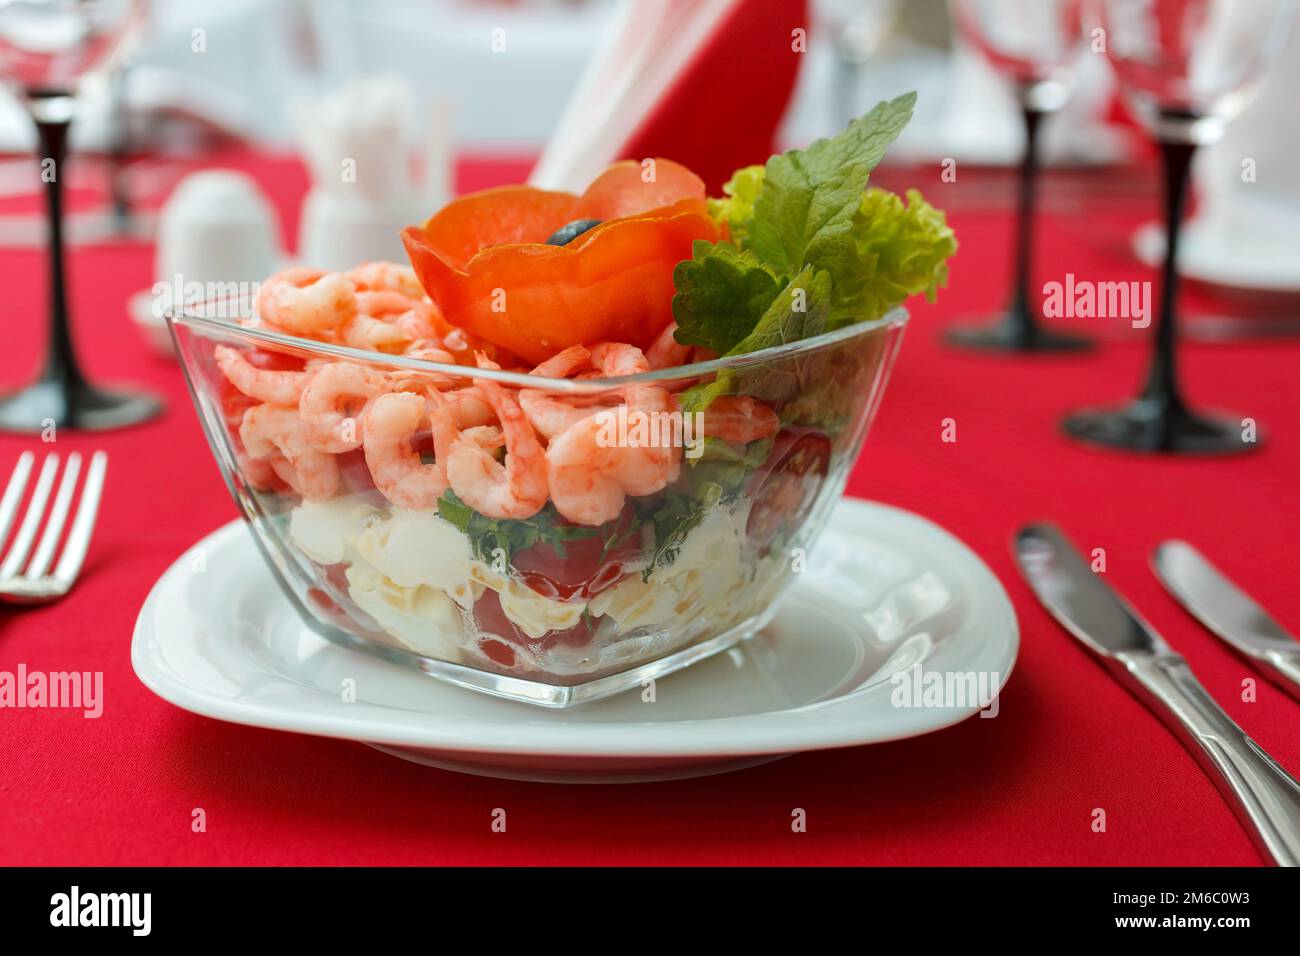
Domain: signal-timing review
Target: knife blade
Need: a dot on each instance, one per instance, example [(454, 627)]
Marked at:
[(1078, 598), (1264, 796), (1227, 611)]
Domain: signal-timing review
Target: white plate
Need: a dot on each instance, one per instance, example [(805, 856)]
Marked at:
[(885, 590)]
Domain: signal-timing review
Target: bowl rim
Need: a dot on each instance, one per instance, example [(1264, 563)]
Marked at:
[(896, 317)]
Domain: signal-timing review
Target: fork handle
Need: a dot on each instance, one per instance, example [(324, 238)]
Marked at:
[(1264, 796)]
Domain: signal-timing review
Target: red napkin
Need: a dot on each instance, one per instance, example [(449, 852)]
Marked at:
[(723, 110)]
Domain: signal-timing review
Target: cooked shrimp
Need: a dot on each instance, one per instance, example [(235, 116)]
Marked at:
[(739, 419), (277, 433), (392, 422), (469, 407), (387, 276), (617, 358), (365, 332), (582, 473), (549, 413), (276, 386), (590, 477), (665, 351), (385, 321), (307, 301), (332, 405), (516, 489)]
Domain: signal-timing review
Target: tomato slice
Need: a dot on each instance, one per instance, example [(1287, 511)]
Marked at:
[(623, 189), (502, 216), (492, 618), (784, 488), (585, 568)]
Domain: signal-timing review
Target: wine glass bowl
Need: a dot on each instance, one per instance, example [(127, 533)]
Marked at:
[(1186, 67), (1033, 43), (46, 47)]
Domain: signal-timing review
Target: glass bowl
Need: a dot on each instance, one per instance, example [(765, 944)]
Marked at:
[(636, 540)]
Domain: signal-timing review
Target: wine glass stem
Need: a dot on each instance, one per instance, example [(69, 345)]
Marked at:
[(61, 360), (1162, 379), (1022, 315)]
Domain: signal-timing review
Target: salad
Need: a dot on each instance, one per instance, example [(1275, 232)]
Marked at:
[(649, 492)]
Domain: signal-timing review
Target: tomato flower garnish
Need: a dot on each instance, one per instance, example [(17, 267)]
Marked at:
[(485, 261)]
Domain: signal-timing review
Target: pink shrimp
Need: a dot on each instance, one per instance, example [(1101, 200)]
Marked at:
[(307, 301), (392, 422), (591, 476), (665, 351), (275, 386), (740, 419), (332, 405), (378, 324), (516, 489), (387, 277), (549, 413), (278, 434), (469, 407)]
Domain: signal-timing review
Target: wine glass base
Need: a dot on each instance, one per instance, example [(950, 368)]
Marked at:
[(1150, 426), (57, 404), (1011, 335)]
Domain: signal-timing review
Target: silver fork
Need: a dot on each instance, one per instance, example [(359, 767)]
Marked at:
[(30, 582)]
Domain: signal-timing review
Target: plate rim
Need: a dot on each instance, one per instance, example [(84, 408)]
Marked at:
[(818, 725)]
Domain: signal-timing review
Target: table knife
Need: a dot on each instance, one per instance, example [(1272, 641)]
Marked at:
[(1228, 611), (1264, 796)]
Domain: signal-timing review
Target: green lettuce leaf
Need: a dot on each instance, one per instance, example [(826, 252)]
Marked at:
[(898, 250), (738, 207)]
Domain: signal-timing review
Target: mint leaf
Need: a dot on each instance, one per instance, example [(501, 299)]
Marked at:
[(721, 294), (800, 311), (804, 212)]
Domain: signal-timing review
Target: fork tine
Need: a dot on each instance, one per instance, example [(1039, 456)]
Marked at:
[(22, 542), (14, 493), (74, 549), (58, 516)]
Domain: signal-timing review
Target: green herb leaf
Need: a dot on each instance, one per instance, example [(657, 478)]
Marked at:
[(804, 212), (721, 294), (800, 311), (492, 539), (673, 518)]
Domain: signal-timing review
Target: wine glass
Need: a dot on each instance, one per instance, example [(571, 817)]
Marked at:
[(1033, 43), (46, 47), (1186, 67)]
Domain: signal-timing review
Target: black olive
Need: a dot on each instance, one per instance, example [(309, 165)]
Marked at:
[(566, 234)]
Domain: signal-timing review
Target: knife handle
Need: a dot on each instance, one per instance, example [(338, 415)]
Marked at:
[(1264, 796)]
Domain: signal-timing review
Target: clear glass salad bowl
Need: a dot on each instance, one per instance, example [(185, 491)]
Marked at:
[(376, 553)]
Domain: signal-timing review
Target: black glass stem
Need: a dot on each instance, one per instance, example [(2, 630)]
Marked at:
[(1020, 328), (62, 396), (1158, 420)]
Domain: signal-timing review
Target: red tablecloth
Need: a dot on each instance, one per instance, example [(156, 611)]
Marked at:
[(1019, 789)]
